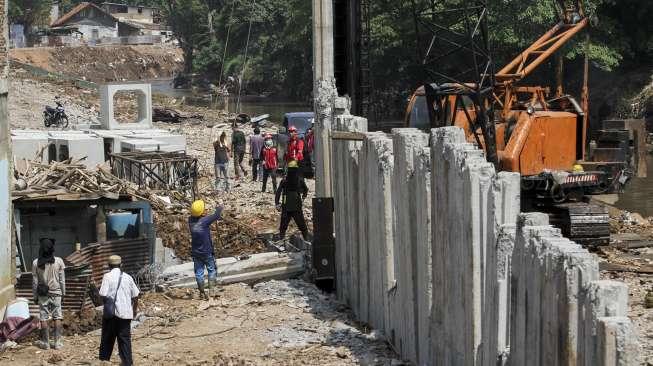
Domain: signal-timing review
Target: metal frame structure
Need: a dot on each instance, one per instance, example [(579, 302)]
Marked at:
[(158, 170), (459, 39)]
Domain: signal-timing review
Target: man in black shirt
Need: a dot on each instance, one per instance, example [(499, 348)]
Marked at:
[(288, 199)]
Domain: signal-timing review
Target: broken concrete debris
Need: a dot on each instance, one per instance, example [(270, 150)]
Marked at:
[(503, 286)]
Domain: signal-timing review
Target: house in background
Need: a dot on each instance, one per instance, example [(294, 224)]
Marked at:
[(90, 21), (137, 13)]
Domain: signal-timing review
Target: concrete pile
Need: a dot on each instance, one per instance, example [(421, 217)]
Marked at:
[(433, 252)]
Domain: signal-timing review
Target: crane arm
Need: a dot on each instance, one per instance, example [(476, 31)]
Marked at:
[(572, 21)]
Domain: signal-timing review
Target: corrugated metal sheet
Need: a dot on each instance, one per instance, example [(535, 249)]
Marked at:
[(76, 290), (89, 265), (135, 254)]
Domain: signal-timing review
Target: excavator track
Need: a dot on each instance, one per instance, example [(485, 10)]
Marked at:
[(584, 223)]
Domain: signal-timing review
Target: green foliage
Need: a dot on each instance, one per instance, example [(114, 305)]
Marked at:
[(29, 12)]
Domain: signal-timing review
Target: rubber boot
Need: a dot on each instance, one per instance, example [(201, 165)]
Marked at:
[(215, 288), (200, 287), (58, 334), (44, 338)]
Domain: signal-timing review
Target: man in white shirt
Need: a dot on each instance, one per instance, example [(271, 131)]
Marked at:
[(119, 287)]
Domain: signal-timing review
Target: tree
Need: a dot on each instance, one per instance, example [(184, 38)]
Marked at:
[(189, 22), (29, 13)]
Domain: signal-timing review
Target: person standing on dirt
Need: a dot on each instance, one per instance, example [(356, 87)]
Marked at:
[(270, 164), (222, 151), (48, 288), (202, 249), (256, 143), (238, 146), (119, 289), (288, 200)]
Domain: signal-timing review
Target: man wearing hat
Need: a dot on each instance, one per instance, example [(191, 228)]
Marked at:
[(48, 287), (119, 290)]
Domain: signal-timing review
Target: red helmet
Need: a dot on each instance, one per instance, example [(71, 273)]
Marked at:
[(292, 129), (268, 136)]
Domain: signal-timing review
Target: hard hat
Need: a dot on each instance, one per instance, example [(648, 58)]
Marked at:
[(292, 164), (292, 129), (197, 208), (578, 168)]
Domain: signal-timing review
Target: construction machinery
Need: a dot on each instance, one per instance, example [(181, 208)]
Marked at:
[(525, 129)]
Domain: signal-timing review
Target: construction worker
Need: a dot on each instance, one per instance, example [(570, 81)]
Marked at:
[(269, 157), (295, 149), (288, 200), (256, 143), (48, 288), (238, 148), (202, 249), (121, 290)]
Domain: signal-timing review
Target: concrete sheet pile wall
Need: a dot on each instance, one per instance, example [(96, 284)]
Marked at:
[(432, 251), (470, 204), (560, 310)]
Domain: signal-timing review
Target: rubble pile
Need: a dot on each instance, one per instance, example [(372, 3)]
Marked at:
[(230, 237), (105, 64)]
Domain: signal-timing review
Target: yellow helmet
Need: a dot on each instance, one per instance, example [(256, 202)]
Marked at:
[(197, 208), (578, 168), (292, 164)]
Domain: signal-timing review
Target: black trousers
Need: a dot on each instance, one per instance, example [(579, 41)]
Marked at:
[(298, 216), (119, 329), (256, 166), (269, 173)]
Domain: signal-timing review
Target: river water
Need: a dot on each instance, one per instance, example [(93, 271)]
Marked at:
[(251, 105)]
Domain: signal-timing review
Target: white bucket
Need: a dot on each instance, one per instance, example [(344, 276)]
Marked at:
[(18, 308)]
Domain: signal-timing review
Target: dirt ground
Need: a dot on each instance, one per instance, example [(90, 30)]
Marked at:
[(273, 323), (103, 64)]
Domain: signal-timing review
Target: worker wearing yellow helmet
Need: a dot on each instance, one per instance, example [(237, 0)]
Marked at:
[(202, 250)]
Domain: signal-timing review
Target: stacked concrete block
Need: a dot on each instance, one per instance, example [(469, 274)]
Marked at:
[(411, 236)]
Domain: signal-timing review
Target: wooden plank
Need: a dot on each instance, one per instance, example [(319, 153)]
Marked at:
[(346, 135)]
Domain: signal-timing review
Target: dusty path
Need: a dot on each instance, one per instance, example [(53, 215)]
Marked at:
[(274, 323)]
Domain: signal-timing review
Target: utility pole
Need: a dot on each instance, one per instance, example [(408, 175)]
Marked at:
[(7, 254), (324, 94)]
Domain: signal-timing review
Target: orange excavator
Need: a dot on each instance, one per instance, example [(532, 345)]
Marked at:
[(529, 130)]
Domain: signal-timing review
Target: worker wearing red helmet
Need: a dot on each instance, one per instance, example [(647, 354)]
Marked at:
[(270, 164), (295, 151)]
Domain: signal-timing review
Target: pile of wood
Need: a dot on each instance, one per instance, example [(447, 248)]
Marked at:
[(68, 180)]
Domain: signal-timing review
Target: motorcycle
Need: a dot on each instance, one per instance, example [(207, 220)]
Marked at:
[(55, 116)]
